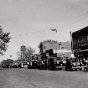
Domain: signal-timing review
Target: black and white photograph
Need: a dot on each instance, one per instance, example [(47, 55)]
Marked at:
[(43, 43)]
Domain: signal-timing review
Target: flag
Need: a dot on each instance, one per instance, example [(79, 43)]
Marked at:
[(54, 30)]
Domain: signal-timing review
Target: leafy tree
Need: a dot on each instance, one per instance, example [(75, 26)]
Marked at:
[(4, 40), (7, 62), (29, 51), (27, 54)]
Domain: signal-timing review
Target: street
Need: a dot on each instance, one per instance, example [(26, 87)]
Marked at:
[(33, 78)]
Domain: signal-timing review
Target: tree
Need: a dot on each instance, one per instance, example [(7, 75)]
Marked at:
[(30, 51), (7, 62), (4, 40), (27, 54)]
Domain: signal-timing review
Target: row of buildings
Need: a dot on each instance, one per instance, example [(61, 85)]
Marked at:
[(78, 46)]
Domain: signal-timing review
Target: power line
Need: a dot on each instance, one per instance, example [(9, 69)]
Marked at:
[(72, 21), (65, 24)]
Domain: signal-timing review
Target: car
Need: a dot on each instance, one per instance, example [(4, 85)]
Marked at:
[(73, 65), (55, 63)]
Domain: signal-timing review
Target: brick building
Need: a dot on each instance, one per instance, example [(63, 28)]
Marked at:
[(55, 46), (80, 43)]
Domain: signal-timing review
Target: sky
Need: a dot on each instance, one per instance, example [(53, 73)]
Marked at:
[(29, 21)]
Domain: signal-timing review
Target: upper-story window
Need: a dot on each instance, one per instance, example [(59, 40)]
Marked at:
[(82, 40), (74, 43), (78, 42), (87, 38)]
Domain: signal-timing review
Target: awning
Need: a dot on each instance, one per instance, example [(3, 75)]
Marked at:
[(83, 50)]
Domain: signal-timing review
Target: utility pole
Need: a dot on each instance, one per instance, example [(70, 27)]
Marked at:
[(71, 42)]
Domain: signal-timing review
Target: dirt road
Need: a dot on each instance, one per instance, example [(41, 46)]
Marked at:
[(31, 78)]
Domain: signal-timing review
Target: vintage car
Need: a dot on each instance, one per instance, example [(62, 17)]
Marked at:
[(59, 63), (76, 66), (55, 63), (40, 64), (32, 64), (73, 65)]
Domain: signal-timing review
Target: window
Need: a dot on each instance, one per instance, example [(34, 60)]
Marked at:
[(82, 40), (87, 38)]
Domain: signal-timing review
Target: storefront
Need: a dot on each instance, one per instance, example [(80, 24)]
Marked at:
[(80, 43)]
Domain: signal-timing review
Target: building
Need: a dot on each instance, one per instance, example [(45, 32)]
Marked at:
[(57, 47), (80, 43)]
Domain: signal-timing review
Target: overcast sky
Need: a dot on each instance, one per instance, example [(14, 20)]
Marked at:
[(29, 21)]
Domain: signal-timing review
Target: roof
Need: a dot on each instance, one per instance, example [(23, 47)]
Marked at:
[(80, 30)]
